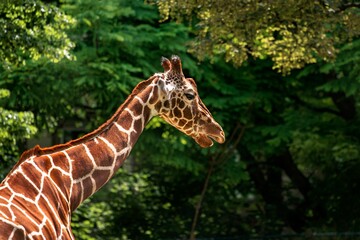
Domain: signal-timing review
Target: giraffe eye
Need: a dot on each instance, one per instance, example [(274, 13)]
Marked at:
[(189, 96)]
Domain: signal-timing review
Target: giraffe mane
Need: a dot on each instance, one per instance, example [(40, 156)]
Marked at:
[(38, 151)]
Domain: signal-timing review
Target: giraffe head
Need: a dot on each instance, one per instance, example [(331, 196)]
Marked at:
[(180, 105)]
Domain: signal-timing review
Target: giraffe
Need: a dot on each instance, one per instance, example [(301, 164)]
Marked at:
[(47, 184)]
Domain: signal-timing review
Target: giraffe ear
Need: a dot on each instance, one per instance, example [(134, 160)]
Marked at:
[(165, 63), (176, 65)]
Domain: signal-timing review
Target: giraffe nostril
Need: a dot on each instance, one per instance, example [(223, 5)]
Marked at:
[(222, 139), (223, 136)]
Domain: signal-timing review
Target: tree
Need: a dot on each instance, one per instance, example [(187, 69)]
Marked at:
[(15, 127), (32, 29), (320, 118), (292, 33)]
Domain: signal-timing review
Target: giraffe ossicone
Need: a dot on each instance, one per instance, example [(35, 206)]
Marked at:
[(39, 194)]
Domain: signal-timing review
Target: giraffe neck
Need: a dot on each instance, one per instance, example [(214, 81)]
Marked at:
[(95, 161)]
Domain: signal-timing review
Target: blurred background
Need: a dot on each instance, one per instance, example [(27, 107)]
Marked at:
[(281, 77)]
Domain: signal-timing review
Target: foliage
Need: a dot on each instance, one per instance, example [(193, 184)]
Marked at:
[(32, 29), (292, 33), (138, 210), (112, 57), (290, 162), (298, 144), (15, 127)]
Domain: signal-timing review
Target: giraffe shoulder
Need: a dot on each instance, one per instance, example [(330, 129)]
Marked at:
[(35, 151)]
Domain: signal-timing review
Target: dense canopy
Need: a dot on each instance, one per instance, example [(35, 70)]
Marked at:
[(32, 29), (292, 33)]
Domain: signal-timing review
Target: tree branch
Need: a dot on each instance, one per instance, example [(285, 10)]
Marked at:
[(268, 183), (285, 162), (198, 205), (220, 158)]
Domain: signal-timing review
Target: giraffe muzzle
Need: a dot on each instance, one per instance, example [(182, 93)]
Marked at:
[(218, 138), (212, 132)]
